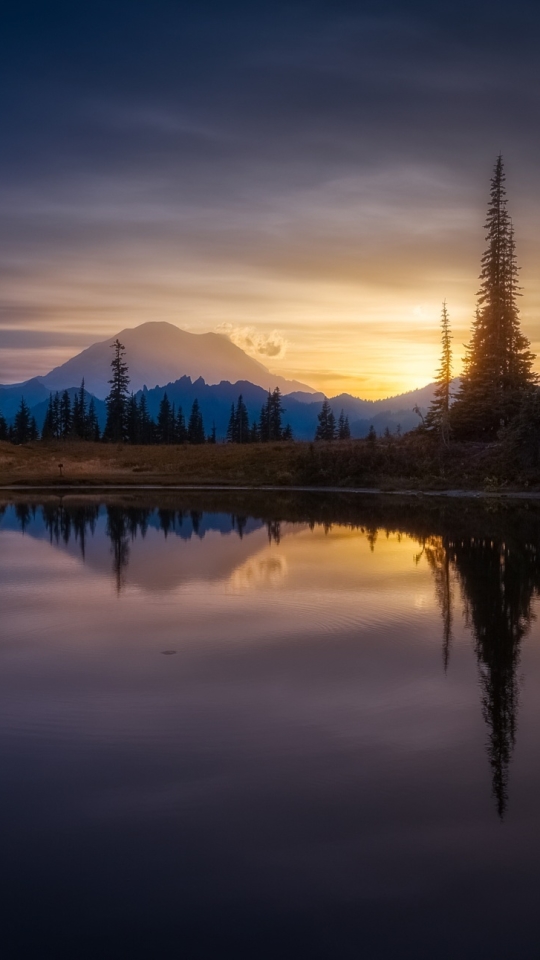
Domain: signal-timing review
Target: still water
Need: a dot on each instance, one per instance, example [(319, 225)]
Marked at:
[(237, 726)]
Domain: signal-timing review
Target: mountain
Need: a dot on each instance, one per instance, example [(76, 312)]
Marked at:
[(215, 401), (157, 353)]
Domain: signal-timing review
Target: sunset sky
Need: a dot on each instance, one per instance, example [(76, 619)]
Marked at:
[(309, 178)]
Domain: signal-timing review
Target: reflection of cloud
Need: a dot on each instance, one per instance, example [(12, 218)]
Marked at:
[(271, 344), (255, 573)]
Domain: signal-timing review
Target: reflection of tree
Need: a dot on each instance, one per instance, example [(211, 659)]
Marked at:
[(274, 531), (439, 560), (117, 531), (498, 582)]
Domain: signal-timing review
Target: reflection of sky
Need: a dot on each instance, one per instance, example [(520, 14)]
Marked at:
[(302, 765)]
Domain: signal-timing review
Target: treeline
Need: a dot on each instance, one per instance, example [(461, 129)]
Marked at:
[(269, 427), (129, 421)]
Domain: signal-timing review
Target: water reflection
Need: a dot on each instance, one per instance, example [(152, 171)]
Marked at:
[(491, 576)]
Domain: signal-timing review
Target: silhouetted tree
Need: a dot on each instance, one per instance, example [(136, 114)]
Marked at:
[(437, 419), (66, 421), (275, 412), (166, 421), (79, 414), (372, 434), (498, 363), (196, 427), (180, 427), (115, 428), (3, 428), (326, 429), (21, 426), (343, 428), (232, 432), (133, 421), (92, 425), (50, 426)]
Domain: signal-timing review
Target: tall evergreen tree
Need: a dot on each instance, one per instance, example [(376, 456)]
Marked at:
[(264, 420), (66, 420), (275, 414), (146, 425), (232, 432), (21, 425), (343, 428), (115, 428), (498, 364), (133, 424), (92, 425), (3, 427), (242, 422), (180, 431), (326, 429), (79, 413), (165, 421), (49, 429), (438, 416), (196, 432), (56, 416)]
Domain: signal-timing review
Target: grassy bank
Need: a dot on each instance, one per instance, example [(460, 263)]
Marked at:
[(411, 462)]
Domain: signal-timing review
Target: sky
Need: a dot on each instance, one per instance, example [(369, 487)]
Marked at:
[(310, 179)]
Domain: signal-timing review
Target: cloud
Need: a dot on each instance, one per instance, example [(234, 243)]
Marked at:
[(271, 344)]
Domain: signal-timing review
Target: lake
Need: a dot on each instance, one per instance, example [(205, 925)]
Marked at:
[(266, 726)]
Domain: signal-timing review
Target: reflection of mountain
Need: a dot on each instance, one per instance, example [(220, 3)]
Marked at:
[(106, 538)]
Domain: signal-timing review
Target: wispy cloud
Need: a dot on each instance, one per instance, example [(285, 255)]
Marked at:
[(271, 344)]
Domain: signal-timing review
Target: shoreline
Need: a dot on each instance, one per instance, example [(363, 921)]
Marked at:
[(81, 488)]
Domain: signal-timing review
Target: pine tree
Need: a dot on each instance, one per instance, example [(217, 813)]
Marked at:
[(180, 431), (212, 435), (92, 424), (115, 429), (133, 423), (326, 429), (21, 425), (498, 363), (33, 432), (79, 413), (56, 416), (66, 421), (49, 431), (165, 421), (437, 419), (264, 421), (3, 428), (287, 433), (232, 432), (343, 428), (254, 435), (241, 421), (196, 432), (275, 413), (372, 434), (146, 426)]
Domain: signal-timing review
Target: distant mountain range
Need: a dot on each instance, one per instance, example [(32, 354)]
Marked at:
[(211, 369)]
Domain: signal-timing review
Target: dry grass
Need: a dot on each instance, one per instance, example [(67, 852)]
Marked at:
[(412, 462), (102, 464)]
